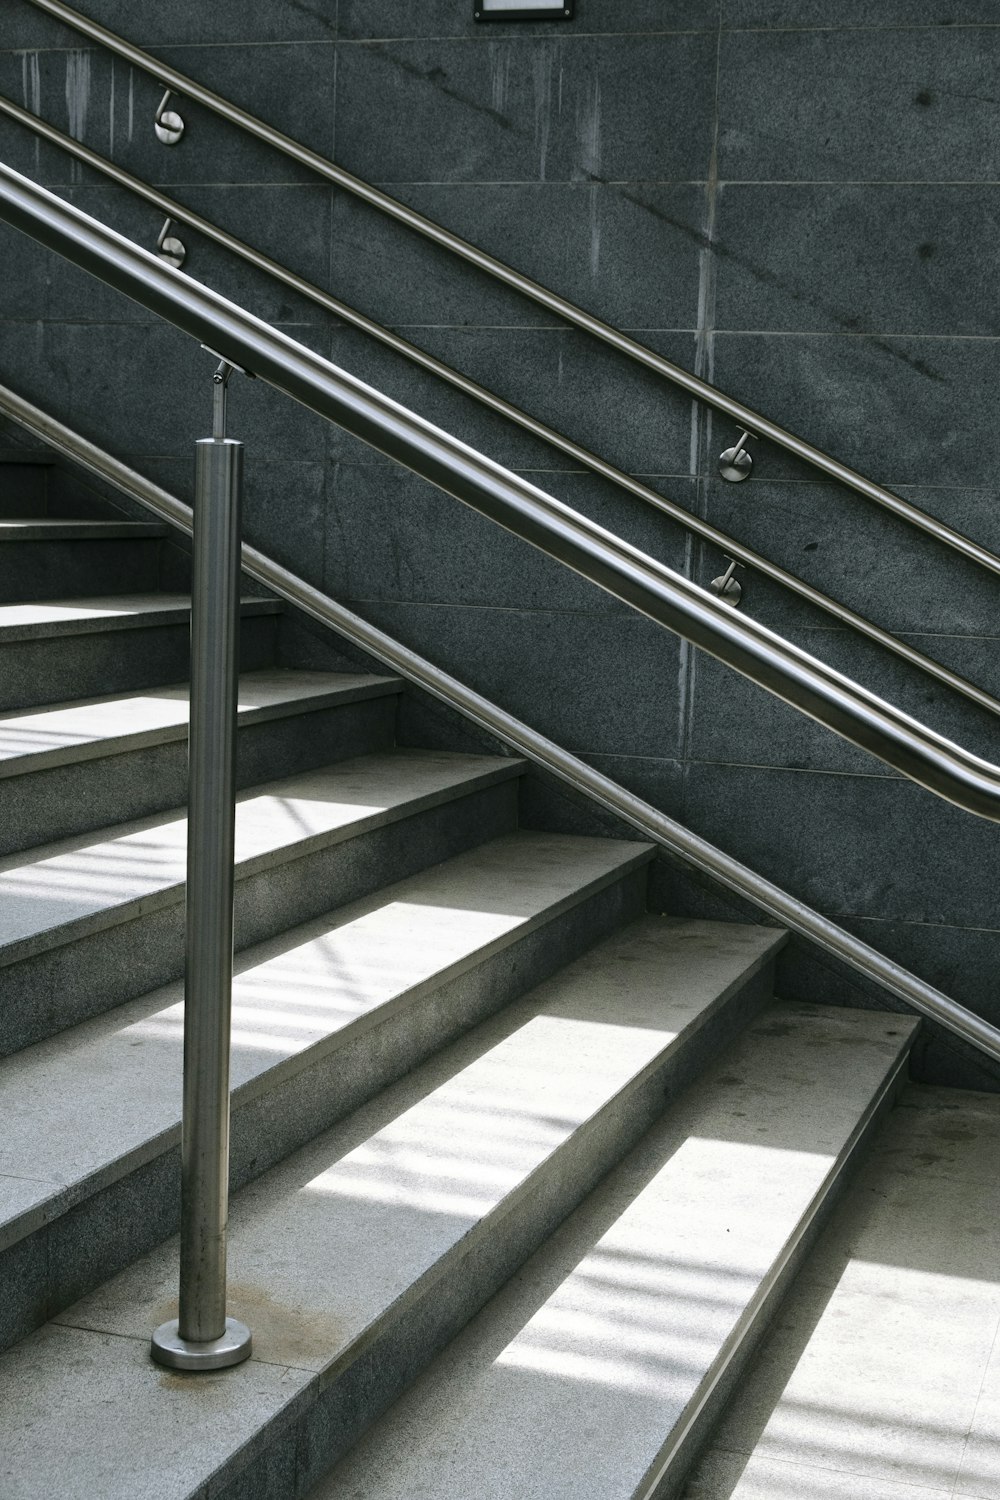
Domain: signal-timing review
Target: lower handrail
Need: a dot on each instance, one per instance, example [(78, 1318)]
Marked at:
[(667, 597), (519, 737)]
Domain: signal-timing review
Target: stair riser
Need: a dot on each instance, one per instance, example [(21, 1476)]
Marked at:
[(32, 570), (23, 490), (325, 1422), (94, 794), (75, 1253), (55, 669), (62, 986), (672, 1483)]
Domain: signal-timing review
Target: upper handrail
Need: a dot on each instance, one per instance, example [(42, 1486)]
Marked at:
[(679, 841), (744, 416), (919, 753), (736, 550)]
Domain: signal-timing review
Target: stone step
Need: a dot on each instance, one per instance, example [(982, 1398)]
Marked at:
[(70, 529), (881, 1377), (43, 556), (24, 476), (74, 767), (363, 1253), (86, 925), (57, 649), (323, 1017), (601, 1367)]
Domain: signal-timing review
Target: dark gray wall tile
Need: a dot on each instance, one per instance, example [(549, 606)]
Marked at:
[(862, 105), (899, 410), (625, 251), (371, 19), (564, 672), (897, 259), (629, 107), (384, 541), (852, 845), (558, 376), (858, 554), (891, 13), (150, 25)]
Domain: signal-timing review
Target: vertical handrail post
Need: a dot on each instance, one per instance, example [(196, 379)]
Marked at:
[(202, 1337)]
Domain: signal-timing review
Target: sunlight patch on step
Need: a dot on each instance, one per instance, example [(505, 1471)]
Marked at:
[(477, 1138), (880, 1377), (327, 982), (43, 893), (648, 1307)]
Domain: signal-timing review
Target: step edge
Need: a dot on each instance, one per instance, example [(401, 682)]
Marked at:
[(655, 1483), (110, 746), (177, 614), (443, 1267), (67, 1195), (65, 529), (118, 915), (317, 1381)]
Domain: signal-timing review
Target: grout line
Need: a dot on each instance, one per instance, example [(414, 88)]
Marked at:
[(143, 1339), (994, 1347)]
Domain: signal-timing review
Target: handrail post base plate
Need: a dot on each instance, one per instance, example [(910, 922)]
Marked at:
[(168, 1348)]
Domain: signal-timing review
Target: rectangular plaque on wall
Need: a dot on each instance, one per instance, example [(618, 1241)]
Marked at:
[(516, 10)]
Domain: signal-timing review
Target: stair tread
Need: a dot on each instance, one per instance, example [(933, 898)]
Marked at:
[(65, 529), (36, 739), (334, 1248), (116, 611), (597, 1354), (71, 1128), (85, 884), (880, 1380)]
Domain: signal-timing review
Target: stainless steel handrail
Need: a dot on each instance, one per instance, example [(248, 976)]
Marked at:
[(744, 416), (727, 544), (947, 769), (519, 737)]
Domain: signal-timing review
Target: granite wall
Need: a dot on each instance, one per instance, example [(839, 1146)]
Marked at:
[(803, 212)]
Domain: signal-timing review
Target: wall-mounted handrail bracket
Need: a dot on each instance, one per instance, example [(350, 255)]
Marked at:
[(167, 123), (169, 247), (735, 463), (727, 585)]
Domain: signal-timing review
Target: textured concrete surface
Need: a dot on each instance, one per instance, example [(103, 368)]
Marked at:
[(82, 887), (601, 1347), (76, 731), (20, 622), (323, 1018), (333, 1251), (881, 1375), (290, 997), (51, 529)]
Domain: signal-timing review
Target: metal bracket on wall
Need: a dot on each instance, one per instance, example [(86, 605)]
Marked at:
[(728, 587), (169, 247), (167, 123), (735, 463)]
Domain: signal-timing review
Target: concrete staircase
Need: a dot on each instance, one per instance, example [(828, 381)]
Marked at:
[(468, 1065)]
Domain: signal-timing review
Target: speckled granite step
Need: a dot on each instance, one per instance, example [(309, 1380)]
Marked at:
[(57, 649), (87, 924), (323, 1017), (365, 1251), (72, 767), (600, 1368)]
